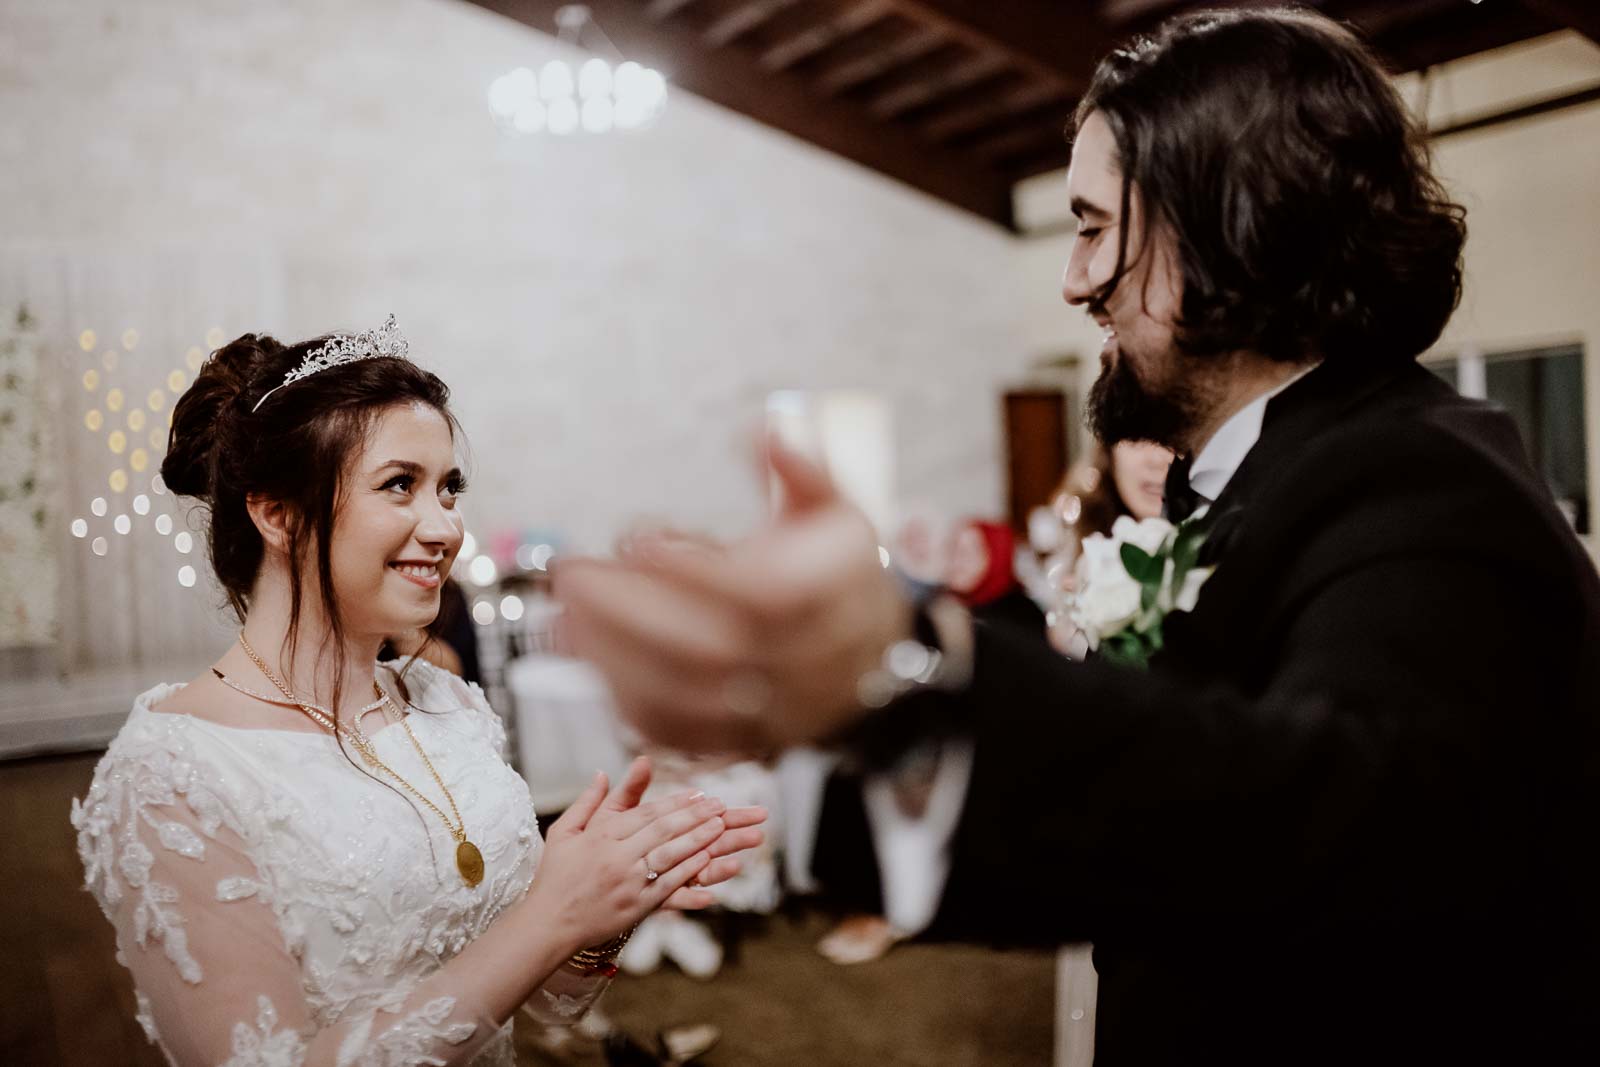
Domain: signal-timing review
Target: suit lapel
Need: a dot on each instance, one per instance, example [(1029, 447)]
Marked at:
[(1247, 570), (1296, 416)]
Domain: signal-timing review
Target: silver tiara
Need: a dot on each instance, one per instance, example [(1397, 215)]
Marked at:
[(386, 340)]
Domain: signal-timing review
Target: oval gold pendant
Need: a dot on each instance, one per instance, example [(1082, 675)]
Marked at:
[(469, 861)]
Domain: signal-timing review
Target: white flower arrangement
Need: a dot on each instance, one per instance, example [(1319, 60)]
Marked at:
[(1128, 583)]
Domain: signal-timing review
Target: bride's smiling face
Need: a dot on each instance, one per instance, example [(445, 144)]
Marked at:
[(397, 530)]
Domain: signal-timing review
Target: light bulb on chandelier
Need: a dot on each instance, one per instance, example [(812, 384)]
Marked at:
[(596, 98)]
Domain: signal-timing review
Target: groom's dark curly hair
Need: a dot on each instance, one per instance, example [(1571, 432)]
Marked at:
[(1275, 149)]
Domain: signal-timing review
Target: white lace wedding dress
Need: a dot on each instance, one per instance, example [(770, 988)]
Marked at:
[(279, 907)]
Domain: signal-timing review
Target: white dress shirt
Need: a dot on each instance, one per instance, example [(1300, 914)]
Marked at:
[(1215, 464)]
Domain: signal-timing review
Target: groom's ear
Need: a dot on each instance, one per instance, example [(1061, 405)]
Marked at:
[(273, 521)]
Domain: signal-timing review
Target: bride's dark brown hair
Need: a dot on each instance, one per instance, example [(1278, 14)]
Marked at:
[(295, 450)]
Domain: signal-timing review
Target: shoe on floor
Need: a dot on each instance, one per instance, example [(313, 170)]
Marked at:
[(642, 954), (859, 939), (690, 945), (680, 1044), (595, 1025)]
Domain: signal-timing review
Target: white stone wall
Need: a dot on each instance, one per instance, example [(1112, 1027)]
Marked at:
[(609, 312)]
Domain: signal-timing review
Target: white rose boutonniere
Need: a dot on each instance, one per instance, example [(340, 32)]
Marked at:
[(1128, 583)]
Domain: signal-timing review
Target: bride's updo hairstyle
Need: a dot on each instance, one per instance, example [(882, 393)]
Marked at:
[(296, 449)]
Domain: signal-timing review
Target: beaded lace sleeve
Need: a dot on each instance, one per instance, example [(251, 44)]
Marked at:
[(222, 933)]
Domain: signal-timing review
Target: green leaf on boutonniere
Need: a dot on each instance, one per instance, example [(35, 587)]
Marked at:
[(1186, 547), (1141, 566), (1125, 650)]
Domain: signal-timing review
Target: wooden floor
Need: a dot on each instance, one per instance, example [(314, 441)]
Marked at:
[(65, 1002)]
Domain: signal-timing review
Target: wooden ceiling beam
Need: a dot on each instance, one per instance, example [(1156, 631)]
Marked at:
[(1371, 17), (865, 45), (959, 98), (744, 19), (1128, 17), (1374, 18), (987, 112), (927, 69), (1132, 12), (661, 10), (891, 103), (1022, 142), (817, 38), (738, 80), (1580, 15), (1463, 31), (1043, 161), (980, 90), (1407, 34), (1049, 119), (791, 21), (843, 77), (1053, 40)]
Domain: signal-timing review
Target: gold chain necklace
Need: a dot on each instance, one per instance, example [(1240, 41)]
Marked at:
[(301, 704), (469, 861)]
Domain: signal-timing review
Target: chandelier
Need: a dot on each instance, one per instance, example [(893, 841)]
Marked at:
[(597, 97)]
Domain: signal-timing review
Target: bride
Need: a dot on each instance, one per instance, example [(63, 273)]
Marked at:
[(311, 858)]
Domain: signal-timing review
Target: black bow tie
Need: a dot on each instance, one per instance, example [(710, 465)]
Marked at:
[(1180, 499)]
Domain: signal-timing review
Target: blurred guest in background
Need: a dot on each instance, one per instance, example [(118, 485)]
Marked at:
[(980, 570), (1127, 479)]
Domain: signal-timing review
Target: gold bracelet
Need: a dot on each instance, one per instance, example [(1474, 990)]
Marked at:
[(601, 959)]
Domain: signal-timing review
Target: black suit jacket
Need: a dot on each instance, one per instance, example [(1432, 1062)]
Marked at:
[(1349, 814)]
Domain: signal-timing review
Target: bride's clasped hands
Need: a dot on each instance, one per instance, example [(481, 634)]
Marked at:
[(610, 860)]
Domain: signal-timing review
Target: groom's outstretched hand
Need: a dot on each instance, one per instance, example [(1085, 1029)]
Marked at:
[(745, 647)]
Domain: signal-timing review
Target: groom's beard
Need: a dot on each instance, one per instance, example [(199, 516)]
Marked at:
[(1123, 408)]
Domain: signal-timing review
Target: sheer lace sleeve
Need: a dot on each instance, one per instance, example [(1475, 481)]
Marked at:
[(171, 845)]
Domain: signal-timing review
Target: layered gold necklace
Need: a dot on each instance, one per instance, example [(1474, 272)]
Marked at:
[(469, 861)]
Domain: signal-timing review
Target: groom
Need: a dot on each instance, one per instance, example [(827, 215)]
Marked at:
[(1347, 815)]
